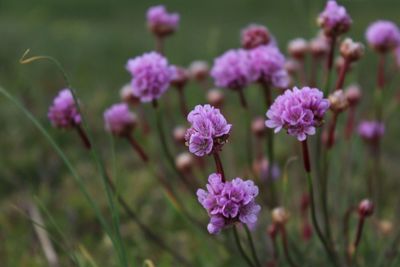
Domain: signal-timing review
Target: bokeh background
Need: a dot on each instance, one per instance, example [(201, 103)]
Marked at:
[(93, 39)]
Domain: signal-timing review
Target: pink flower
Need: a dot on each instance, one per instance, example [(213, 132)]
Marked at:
[(255, 35), (63, 113), (160, 22), (334, 20), (383, 35), (119, 120)]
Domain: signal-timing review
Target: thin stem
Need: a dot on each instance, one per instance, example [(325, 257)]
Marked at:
[(306, 157), (360, 226), (136, 146), (313, 75), (242, 98), (350, 122), (381, 71), (83, 136), (182, 102), (329, 64), (346, 222), (253, 249), (342, 74), (331, 131), (160, 45), (286, 245), (218, 165), (240, 247)]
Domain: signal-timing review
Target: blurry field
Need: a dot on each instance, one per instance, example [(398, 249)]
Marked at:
[(93, 39)]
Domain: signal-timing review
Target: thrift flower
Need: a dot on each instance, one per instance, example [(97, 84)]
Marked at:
[(63, 113), (119, 120), (383, 35), (268, 66), (371, 131), (334, 20), (229, 202), (209, 130), (160, 22), (299, 111), (255, 35), (232, 70), (151, 75)]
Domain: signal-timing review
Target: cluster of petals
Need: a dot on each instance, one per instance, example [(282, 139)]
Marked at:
[(232, 69), (208, 132), (151, 74), (160, 21), (334, 19), (63, 113), (267, 65), (383, 35), (371, 130), (229, 202), (119, 120), (255, 35), (299, 111)]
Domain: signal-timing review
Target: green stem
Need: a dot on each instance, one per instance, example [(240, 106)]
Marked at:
[(240, 247), (253, 249)]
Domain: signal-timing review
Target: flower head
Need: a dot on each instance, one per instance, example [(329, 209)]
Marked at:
[(198, 70), (255, 35), (160, 22), (299, 111), (119, 120), (208, 132), (63, 113), (298, 48), (334, 20), (268, 66), (232, 70), (371, 131), (350, 50), (383, 35), (151, 75), (229, 202), (319, 46)]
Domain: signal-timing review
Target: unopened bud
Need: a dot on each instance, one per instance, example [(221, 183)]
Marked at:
[(353, 94), (179, 134), (215, 97), (184, 162), (280, 216), (126, 94), (338, 101), (258, 127), (298, 48), (254, 36), (365, 208), (351, 50), (198, 70)]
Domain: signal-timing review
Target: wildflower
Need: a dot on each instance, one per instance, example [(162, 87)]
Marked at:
[(151, 75), (319, 46), (268, 66), (63, 113), (229, 202), (184, 162), (350, 50), (119, 120), (126, 94), (209, 130), (232, 70), (371, 131), (383, 36), (198, 70), (298, 48), (280, 215), (334, 20), (215, 97), (160, 22), (353, 95), (255, 35), (299, 111), (180, 78), (338, 101)]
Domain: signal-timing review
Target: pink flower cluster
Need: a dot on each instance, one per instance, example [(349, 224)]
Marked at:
[(229, 202), (151, 75), (371, 131), (63, 113), (161, 22), (299, 111), (334, 20), (208, 132), (383, 35), (119, 120)]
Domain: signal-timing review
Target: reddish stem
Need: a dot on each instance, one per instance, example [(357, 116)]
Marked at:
[(306, 156), (313, 75), (329, 62), (218, 165), (342, 74), (286, 245), (381, 71), (331, 131), (182, 102), (83, 137), (360, 226), (303, 75), (135, 145), (350, 122)]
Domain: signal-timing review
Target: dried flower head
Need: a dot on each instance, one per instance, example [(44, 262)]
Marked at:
[(350, 50), (299, 111), (229, 202), (334, 20), (268, 66), (184, 162), (119, 120), (180, 78), (298, 48), (209, 130), (383, 36), (255, 35), (232, 70), (160, 22), (338, 101), (63, 113), (151, 75)]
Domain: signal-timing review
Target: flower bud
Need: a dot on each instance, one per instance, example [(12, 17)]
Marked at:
[(280, 216), (258, 127), (198, 70), (319, 46), (180, 78), (353, 95), (179, 134), (184, 162), (338, 101), (215, 98), (126, 94), (298, 48), (350, 50), (254, 36), (365, 208)]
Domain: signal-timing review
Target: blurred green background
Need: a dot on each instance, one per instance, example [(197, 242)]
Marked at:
[(93, 39)]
